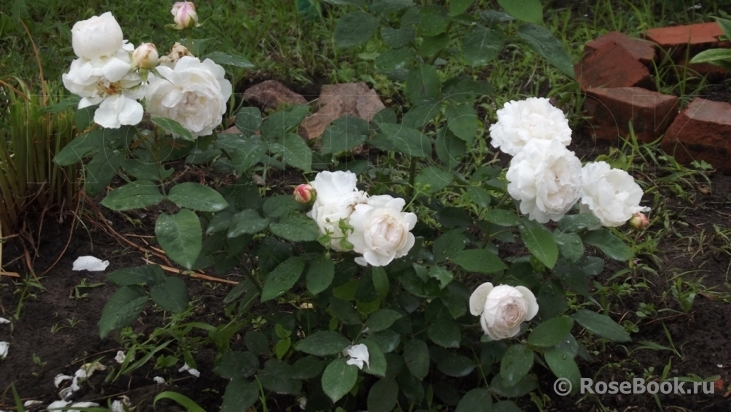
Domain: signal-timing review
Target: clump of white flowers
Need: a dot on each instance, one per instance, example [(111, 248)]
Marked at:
[(348, 219), (502, 309), (111, 73)]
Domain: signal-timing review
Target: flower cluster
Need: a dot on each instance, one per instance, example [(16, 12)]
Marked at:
[(547, 178), (111, 73), (349, 219)]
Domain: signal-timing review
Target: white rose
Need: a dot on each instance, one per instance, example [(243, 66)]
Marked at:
[(546, 178), (612, 195), (336, 198), (193, 93), (381, 231), (111, 82), (521, 121), (502, 309), (99, 36)]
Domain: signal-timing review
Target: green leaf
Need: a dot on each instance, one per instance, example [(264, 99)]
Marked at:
[(295, 152), (442, 275), (246, 222), (462, 121), (611, 245), (323, 343), (380, 282), (574, 223), (100, 171), (417, 117), (397, 38), (505, 406), (454, 365), (435, 177), (543, 42), (344, 134), (445, 332), (563, 366), (433, 20), (122, 309), (355, 28), (540, 242), (431, 45), (180, 236), (79, 148), (296, 227), (338, 379), (282, 121), (457, 7), (240, 395), (382, 319), (172, 126), (343, 310), (479, 261), (720, 57), (550, 332), (725, 26), (516, 363), (171, 295), (526, 10), (281, 205), (408, 141), (386, 7), (476, 400), (481, 45), (449, 244), (150, 275), (277, 377), (307, 367), (248, 120), (230, 60), (422, 84), (383, 396), (134, 195), (197, 197), (480, 197), (235, 364), (602, 325), (394, 60), (256, 342), (180, 399), (320, 274), (551, 299), (570, 245), (523, 387), (416, 357), (244, 152), (282, 278), (377, 360), (83, 118), (450, 149)]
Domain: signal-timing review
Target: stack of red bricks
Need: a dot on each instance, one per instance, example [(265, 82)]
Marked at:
[(615, 75)]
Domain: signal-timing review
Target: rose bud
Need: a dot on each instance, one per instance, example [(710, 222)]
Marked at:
[(639, 221), (304, 193), (185, 15), (145, 56)]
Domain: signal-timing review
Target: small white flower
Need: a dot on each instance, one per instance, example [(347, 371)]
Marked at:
[(522, 121), (60, 378), (502, 309), (3, 320), (358, 355), (158, 380), (612, 195), (190, 370), (4, 350), (90, 263), (120, 357)]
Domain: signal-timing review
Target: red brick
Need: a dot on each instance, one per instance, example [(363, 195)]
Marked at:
[(641, 50), (702, 34), (701, 131), (612, 110), (711, 72), (612, 66)]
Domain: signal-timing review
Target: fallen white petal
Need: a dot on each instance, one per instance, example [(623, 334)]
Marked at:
[(90, 263), (4, 350), (190, 370), (158, 380), (31, 403), (358, 355), (120, 357), (75, 386), (60, 378), (65, 393), (3, 320), (57, 405), (121, 405), (82, 405)]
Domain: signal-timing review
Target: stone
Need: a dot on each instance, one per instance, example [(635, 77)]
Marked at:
[(701, 131), (704, 35), (271, 94), (640, 49), (612, 109), (612, 66), (338, 100)]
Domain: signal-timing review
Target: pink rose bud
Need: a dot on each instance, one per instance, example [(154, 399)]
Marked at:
[(185, 15), (145, 56), (304, 193), (639, 221)]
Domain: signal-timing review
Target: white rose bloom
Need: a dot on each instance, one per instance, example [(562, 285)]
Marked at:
[(612, 195), (521, 121), (546, 178), (502, 309), (193, 93), (336, 197), (112, 83), (381, 230), (96, 37)]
